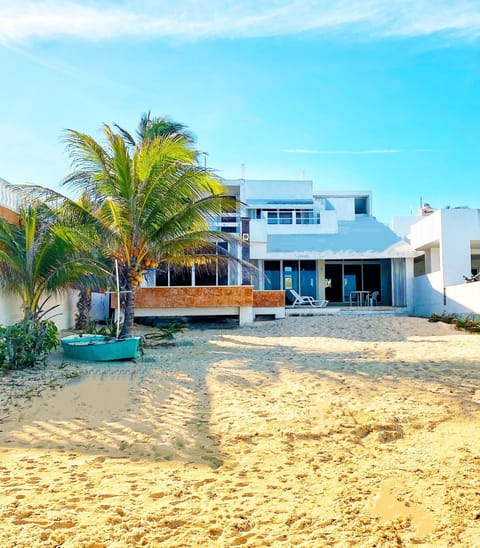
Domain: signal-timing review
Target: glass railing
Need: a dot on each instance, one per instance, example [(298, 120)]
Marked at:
[(296, 218)]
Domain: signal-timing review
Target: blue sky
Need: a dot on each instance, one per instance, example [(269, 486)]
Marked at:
[(373, 95)]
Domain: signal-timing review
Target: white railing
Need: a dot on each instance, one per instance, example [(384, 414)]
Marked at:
[(8, 198), (294, 217)]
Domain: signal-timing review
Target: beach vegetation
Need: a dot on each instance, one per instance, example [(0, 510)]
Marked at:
[(27, 343), (38, 260), (468, 323)]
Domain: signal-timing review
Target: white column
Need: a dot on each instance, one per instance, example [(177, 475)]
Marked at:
[(245, 315)]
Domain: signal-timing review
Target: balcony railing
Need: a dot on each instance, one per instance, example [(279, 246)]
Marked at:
[(292, 218), (8, 198)]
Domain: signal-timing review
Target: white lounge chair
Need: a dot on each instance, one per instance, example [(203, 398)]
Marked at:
[(307, 300)]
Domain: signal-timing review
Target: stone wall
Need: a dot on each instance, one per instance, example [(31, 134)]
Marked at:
[(182, 297)]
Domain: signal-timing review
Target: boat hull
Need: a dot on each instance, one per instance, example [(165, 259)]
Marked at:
[(98, 348)]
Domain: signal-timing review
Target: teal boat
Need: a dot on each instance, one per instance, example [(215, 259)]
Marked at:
[(99, 348)]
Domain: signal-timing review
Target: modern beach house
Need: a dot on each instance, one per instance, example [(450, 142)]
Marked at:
[(326, 245)]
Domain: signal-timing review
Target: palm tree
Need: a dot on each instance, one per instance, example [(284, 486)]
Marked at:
[(158, 126), (152, 200), (37, 261), (86, 234)]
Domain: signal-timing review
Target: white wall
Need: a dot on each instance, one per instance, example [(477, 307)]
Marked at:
[(344, 207), (260, 229), (460, 299), (432, 259), (458, 227), (63, 316), (426, 231), (10, 309), (344, 202), (284, 190), (402, 225), (463, 298), (428, 294)]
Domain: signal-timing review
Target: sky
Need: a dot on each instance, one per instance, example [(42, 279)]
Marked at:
[(379, 95)]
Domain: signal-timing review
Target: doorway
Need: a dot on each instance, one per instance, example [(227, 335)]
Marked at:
[(344, 277)]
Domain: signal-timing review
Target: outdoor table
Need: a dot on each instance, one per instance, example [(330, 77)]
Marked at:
[(361, 297)]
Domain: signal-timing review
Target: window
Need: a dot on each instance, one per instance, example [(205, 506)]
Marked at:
[(285, 217), (205, 275), (272, 275), (254, 213), (419, 266), (161, 277), (361, 206), (276, 217), (307, 217), (181, 277)]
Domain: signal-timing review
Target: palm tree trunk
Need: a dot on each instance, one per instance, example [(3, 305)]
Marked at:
[(127, 328), (84, 302)]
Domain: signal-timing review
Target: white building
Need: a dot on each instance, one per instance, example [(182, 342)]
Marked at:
[(324, 244), (448, 245)]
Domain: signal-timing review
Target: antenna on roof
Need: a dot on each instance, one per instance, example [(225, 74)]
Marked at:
[(242, 171), (302, 175)]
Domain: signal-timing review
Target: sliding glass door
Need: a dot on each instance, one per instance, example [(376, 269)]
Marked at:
[(298, 275)]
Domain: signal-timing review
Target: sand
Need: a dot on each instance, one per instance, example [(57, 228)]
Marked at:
[(323, 431)]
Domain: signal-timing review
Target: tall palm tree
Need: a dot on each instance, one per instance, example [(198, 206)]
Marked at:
[(158, 126), (152, 199), (36, 260)]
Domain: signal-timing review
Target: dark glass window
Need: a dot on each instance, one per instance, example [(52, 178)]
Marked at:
[(419, 266), (222, 265), (361, 206), (206, 275), (161, 277), (181, 277)]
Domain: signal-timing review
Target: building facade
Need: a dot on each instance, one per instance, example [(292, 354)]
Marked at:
[(326, 245), (447, 242)]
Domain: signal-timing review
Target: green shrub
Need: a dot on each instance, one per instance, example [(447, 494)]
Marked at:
[(443, 317), (27, 343), (468, 323)]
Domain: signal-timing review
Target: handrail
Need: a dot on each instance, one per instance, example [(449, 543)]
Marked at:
[(8, 198)]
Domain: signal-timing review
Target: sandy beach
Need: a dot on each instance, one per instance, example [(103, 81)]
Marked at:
[(315, 431)]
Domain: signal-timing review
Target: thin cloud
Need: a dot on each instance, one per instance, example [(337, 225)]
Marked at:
[(354, 152), (23, 21)]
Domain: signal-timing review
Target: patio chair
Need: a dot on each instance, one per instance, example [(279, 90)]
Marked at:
[(373, 299), (307, 300)]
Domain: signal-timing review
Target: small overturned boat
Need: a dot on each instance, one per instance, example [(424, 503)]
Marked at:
[(100, 348)]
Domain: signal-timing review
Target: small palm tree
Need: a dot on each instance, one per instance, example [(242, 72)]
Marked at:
[(37, 261), (152, 200)]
